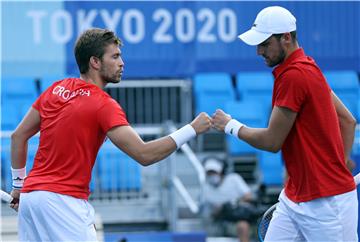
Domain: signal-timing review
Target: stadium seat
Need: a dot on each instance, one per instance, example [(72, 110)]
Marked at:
[(10, 117), (33, 145), (17, 95), (47, 81), (117, 171), (5, 164), (18, 87), (251, 113), (6, 160), (355, 155), (255, 86), (271, 168), (212, 91), (356, 144), (13, 111), (346, 86), (94, 182)]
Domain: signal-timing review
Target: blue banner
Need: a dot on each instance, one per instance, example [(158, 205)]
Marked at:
[(173, 39)]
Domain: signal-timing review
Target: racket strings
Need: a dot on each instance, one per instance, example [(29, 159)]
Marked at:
[(264, 222)]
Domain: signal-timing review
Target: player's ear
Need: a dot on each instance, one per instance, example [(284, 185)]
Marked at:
[(94, 62), (286, 37)]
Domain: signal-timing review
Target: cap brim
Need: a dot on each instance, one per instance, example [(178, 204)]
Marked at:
[(213, 166), (253, 37)]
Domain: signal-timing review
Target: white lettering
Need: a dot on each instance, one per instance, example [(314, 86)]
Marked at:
[(111, 22), (138, 18), (85, 21), (161, 34), (59, 17), (37, 16), (184, 25), (61, 90), (87, 92), (208, 18), (227, 28), (56, 89), (73, 94), (67, 94)]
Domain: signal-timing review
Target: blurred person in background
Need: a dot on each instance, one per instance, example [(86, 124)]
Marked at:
[(74, 116), (227, 201), (314, 131)]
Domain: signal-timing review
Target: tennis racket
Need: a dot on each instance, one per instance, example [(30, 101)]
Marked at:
[(267, 216), (6, 197)]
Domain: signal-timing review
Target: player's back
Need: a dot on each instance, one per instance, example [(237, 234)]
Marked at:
[(70, 137)]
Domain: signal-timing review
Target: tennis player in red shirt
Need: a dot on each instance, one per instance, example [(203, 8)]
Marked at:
[(74, 116), (314, 131)]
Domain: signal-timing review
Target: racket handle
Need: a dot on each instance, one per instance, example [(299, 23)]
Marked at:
[(357, 179), (6, 196)]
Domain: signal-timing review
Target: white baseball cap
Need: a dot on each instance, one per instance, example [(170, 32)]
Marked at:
[(269, 21), (213, 164)]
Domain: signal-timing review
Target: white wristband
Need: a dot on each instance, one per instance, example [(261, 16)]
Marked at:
[(183, 135), (18, 176), (233, 127)]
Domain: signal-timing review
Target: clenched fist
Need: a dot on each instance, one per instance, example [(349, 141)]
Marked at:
[(220, 119), (201, 123), (15, 193)]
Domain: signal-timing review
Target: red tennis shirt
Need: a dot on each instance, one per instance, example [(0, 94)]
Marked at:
[(313, 150), (75, 117)]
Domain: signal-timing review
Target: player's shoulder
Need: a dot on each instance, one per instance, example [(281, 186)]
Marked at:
[(103, 99), (104, 96), (293, 77), (291, 72)]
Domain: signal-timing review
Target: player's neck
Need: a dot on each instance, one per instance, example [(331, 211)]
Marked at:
[(93, 79), (291, 49)]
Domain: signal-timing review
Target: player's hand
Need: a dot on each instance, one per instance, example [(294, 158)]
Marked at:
[(220, 120), (201, 123), (15, 193)]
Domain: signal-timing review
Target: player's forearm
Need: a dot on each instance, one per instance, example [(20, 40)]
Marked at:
[(260, 138), (156, 150), (270, 139), (347, 127), (347, 124), (18, 151)]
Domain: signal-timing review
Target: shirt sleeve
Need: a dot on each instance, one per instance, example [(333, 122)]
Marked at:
[(38, 101), (291, 91), (110, 115), (36, 104)]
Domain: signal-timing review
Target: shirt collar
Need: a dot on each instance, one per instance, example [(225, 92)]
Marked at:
[(291, 58)]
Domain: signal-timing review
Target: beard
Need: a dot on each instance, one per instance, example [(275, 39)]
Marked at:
[(109, 78), (277, 60)]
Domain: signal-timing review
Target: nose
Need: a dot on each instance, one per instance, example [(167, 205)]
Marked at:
[(121, 62)]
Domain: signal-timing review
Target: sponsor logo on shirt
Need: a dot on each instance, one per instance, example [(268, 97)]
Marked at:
[(67, 94)]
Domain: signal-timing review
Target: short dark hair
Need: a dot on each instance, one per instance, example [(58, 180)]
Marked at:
[(293, 35), (93, 43)]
